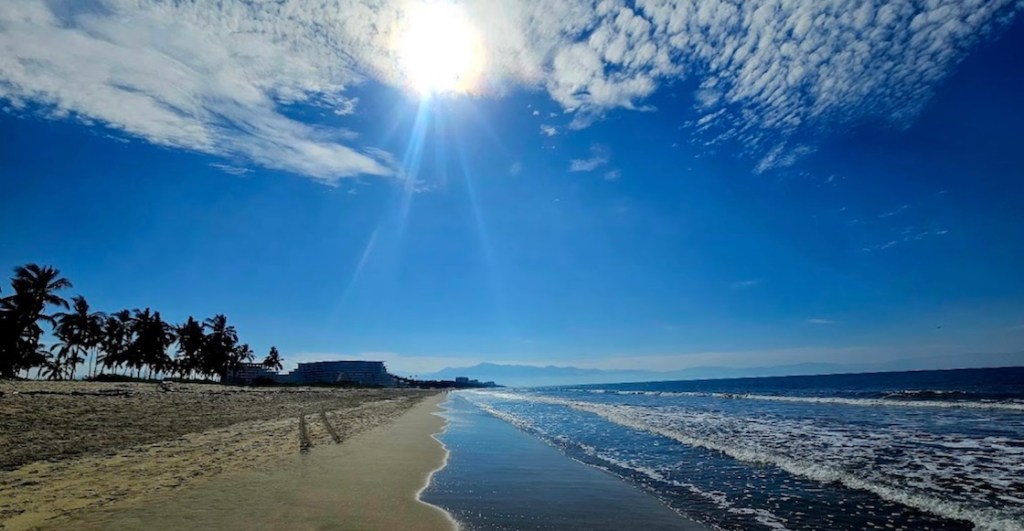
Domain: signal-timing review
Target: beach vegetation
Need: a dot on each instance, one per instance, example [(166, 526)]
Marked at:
[(34, 288), (273, 360), (126, 344)]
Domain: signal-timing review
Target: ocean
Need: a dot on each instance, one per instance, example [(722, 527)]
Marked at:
[(911, 450)]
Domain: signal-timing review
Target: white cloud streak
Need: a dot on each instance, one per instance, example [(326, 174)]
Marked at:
[(217, 77), (210, 78), (598, 157), (767, 67)]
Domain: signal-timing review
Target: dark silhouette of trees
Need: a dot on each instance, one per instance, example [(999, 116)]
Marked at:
[(191, 347), (221, 344), (35, 288), (117, 339), (78, 332), (239, 355), (133, 342), (152, 338), (273, 360)]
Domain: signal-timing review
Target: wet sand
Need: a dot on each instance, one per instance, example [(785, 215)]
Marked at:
[(68, 449), (500, 478)]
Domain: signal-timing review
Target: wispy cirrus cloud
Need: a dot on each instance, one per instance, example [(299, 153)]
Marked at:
[(218, 77), (767, 68), (210, 78), (229, 169), (598, 157), (746, 284), (819, 321)]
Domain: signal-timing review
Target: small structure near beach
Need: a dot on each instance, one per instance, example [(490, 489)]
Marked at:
[(366, 373), (250, 373)]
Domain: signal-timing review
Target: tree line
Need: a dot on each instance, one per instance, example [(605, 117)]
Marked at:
[(126, 342)]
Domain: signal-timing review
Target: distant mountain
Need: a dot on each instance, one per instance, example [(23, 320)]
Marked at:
[(530, 375), (521, 375)]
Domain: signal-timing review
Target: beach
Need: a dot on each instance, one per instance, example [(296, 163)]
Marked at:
[(108, 454)]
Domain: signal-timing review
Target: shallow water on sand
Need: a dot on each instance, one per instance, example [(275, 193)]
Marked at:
[(499, 478)]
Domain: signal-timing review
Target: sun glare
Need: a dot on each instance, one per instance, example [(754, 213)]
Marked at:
[(439, 49)]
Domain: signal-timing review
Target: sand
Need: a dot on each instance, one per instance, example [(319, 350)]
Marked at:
[(70, 451), (371, 481)]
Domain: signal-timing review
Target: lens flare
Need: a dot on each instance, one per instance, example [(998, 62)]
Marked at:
[(439, 49)]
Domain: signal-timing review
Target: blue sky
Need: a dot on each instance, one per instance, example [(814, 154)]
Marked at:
[(651, 184)]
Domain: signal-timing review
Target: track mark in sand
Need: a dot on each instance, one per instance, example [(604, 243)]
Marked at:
[(329, 426), (304, 443)]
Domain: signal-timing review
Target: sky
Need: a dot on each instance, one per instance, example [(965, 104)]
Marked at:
[(653, 184)]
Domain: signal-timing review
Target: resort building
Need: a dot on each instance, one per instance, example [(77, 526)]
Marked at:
[(250, 373), (370, 373)]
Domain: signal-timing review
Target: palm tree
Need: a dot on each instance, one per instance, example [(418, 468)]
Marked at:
[(52, 368), (79, 332), (35, 287), (221, 344), (239, 355), (152, 338), (273, 360), (191, 345), (116, 340)]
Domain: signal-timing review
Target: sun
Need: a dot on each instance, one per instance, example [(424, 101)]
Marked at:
[(439, 49)]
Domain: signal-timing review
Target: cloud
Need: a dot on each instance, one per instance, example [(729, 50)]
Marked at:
[(892, 213), (907, 234), (229, 169), (211, 78), (598, 157), (746, 284), (515, 168), (220, 77), (548, 130), (613, 175), (766, 68), (820, 321), (782, 156), (536, 113)]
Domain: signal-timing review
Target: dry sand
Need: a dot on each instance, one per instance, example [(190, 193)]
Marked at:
[(371, 481), (71, 449)]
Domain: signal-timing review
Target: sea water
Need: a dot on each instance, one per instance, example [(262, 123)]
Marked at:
[(498, 478), (913, 450)]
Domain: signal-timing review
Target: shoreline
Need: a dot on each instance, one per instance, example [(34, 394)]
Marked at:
[(502, 477), (439, 411), (372, 480), (90, 451)]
